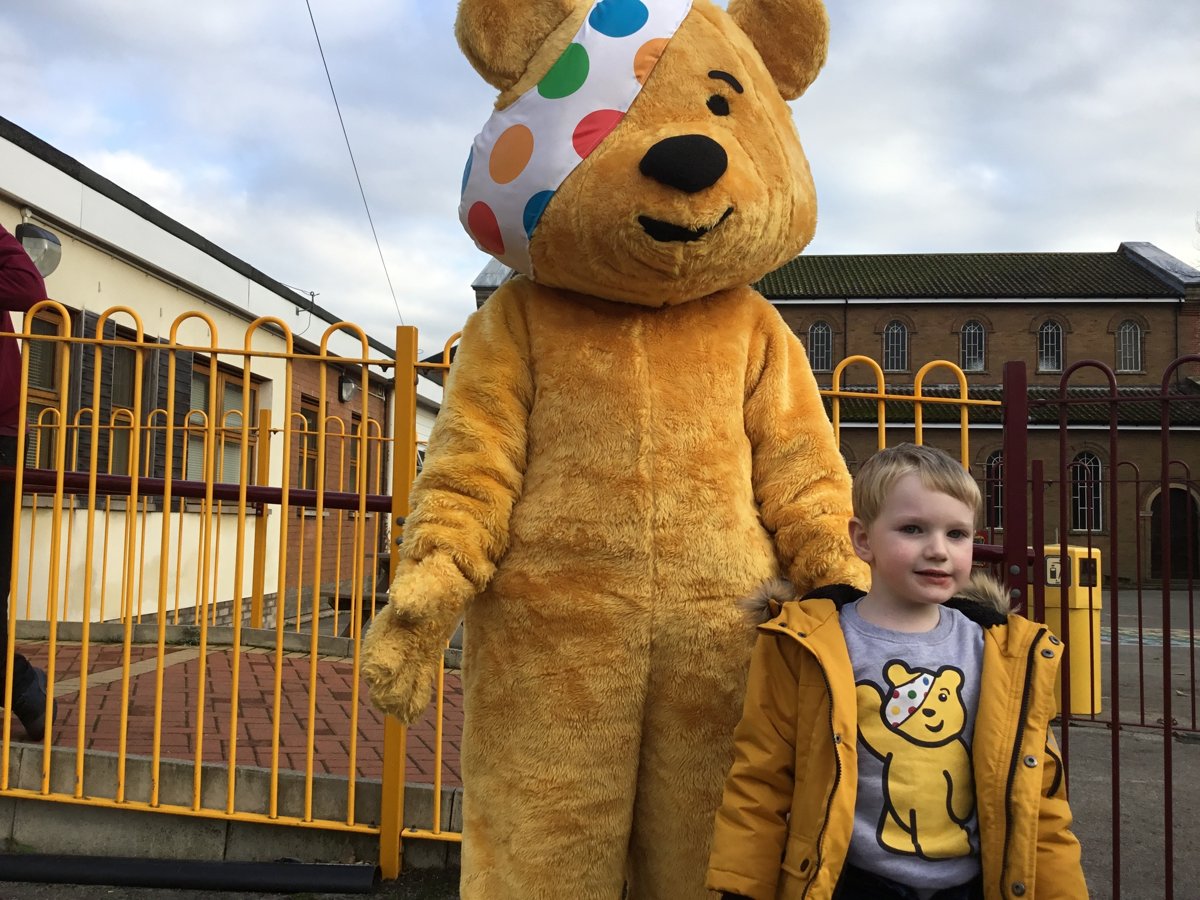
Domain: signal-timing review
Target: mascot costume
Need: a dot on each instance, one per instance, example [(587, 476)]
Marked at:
[(631, 439)]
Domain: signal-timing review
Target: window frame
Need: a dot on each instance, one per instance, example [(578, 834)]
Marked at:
[(1129, 349), (225, 435), (1087, 493), (894, 346), (972, 332), (820, 346), (1049, 328), (44, 398), (993, 491), (119, 405)]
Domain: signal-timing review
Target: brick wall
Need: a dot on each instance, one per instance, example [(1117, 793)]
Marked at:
[(1088, 333)]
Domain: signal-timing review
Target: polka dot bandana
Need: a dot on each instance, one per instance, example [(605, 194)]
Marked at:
[(906, 698), (528, 149)]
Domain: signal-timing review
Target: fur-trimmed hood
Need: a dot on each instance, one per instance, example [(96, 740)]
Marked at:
[(983, 600)]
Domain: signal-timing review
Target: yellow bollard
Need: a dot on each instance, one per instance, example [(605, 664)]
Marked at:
[(1074, 585)]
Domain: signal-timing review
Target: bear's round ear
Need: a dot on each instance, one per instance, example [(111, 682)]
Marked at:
[(500, 37), (898, 673), (791, 36)]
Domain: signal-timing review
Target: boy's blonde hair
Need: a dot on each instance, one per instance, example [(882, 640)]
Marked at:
[(937, 469)]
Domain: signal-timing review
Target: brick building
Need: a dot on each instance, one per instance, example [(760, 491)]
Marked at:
[(1135, 310)]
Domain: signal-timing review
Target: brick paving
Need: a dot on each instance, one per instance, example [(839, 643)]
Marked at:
[(210, 722)]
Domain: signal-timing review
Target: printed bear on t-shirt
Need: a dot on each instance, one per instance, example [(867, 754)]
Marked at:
[(917, 732)]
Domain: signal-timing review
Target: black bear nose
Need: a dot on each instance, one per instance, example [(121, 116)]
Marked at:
[(929, 712), (687, 162)]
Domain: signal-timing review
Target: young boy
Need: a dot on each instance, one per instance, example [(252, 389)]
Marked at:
[(897, 744)]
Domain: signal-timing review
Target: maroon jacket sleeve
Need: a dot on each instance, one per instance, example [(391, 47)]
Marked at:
[(21, 284)]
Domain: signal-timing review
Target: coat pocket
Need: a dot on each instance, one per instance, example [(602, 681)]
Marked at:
[(800, 857)]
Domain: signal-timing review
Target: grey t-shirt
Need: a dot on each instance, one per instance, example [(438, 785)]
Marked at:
[(914, 821)]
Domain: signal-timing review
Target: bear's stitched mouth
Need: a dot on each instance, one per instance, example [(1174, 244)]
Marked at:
[(669, 231), (936, 728)]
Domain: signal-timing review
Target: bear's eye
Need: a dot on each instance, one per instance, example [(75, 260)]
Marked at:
[(943, 696), (718, 105)]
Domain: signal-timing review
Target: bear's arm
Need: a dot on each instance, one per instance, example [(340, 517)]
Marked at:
[(460, 508), (751, 827), (800, 479), (475, 460)]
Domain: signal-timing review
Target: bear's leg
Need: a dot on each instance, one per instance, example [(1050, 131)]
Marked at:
[(697, 685), (549, 757)]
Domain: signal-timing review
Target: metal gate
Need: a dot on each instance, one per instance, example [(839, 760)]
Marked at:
[(1105, 475)]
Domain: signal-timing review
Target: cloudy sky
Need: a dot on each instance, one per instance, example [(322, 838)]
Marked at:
[(937, 126)]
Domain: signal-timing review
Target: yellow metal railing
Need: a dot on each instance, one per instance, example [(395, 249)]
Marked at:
[(918, 399), (245, 511), (204, 533)]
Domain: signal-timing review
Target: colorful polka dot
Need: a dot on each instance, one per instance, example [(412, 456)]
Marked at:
[(647, 58), (619, 18), (511, 154), (481, 222), (525, 150), (534, 209), (911, 710), (567, 75), (594, 128), (895, 710), (912, 695)]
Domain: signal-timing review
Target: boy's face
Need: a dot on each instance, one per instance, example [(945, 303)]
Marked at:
[(919, 547)]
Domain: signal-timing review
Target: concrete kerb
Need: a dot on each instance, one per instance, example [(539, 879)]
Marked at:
[(219, 636), (50, 827), (187, 636), (47, 826)]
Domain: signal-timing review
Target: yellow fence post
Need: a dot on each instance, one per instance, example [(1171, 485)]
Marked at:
[(404, 470)]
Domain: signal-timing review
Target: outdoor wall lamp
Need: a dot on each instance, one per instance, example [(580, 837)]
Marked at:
[(43, 247), (346, 386)]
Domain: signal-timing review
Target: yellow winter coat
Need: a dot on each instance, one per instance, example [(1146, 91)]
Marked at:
[(785, 821)]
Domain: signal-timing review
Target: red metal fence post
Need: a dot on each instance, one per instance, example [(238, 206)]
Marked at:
[(1015, 474)]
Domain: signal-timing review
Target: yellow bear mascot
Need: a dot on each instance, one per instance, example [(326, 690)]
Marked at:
[(631, 438)]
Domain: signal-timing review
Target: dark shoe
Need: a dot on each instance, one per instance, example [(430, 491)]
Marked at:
[(30, 707)]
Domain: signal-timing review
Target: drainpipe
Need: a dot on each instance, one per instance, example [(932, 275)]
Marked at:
[(282, 876)]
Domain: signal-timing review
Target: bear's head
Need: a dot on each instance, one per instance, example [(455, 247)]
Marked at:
[(926, 707), (642, 150)]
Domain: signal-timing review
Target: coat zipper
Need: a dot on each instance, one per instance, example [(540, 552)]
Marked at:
[(1012, 766)]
